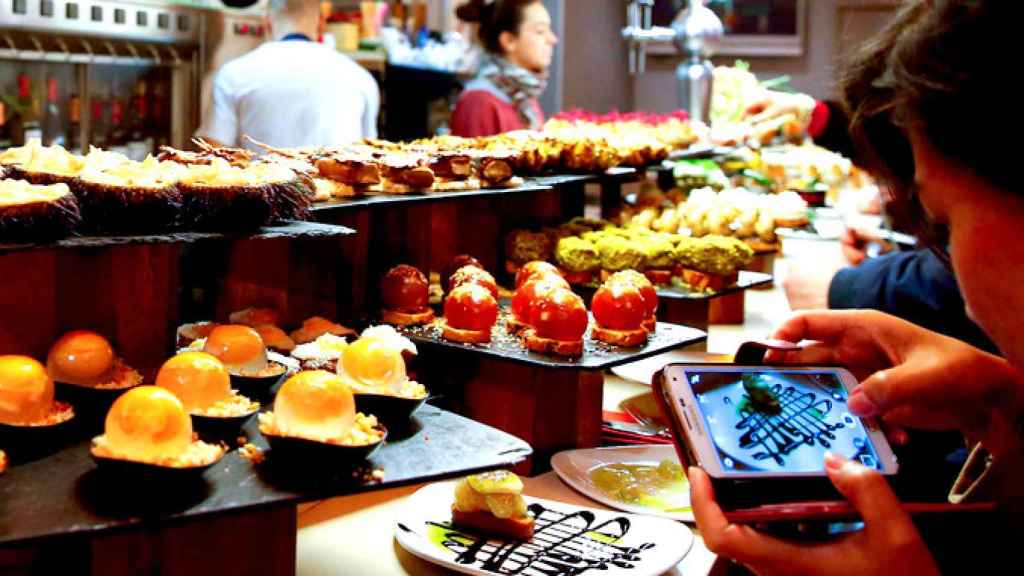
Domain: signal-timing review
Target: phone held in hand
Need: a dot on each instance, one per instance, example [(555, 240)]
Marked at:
[(761, 434)]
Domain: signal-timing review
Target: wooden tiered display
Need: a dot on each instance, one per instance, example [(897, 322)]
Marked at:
[(137, 291)]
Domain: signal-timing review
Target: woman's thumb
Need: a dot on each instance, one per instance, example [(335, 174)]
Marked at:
[(866, 490)]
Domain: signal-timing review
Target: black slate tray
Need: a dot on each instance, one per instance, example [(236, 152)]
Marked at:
[(286, 229), (356, 202), (626, 173), (701, 151), (596, 355), (562, 179), (747, 279), (64, 493)]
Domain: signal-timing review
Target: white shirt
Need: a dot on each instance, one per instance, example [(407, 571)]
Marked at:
[(292, 93)]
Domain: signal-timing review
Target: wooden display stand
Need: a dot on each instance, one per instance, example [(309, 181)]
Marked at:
[(552, 409), (728, 309), (731, 308), (226, 545), (693, 313), (549, 409), (130, 294), (133, 294)]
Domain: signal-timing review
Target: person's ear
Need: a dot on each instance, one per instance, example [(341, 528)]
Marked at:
[(508, 41)]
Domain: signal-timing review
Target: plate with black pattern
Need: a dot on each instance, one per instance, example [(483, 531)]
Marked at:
[(568, 540)]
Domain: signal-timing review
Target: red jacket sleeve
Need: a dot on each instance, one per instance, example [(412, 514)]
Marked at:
[(819, 119), (477, 113)]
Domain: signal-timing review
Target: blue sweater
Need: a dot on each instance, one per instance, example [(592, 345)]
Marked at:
[(916, 286)]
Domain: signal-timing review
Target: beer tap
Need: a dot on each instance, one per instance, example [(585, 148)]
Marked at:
[(694, 32), (639, 31)]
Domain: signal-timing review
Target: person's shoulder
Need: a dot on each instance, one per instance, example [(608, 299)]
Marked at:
[(350, 67), (256, 55), (480, 113), (242, 66), (475, 98), (478, 86)]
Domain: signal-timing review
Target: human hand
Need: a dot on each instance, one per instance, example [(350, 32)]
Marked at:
[(909, 376), (854, 243), (888, 544), (773, 105), (807, 281)]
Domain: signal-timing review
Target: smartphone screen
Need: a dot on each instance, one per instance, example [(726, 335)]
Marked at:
[(771, 421)]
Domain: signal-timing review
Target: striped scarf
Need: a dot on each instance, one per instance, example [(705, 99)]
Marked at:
[(518, 83)]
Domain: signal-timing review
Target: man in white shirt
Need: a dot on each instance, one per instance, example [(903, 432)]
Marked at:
[(292, 91)]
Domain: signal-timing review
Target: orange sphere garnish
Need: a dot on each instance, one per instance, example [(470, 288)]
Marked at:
[(316, 405), (404, 288), (81, 357), (619, 306), (147, 424), (372, 362), (531, 290), (198, 379), (26, 390), (642, 283), (535, 268), (559, 314), (239, 347), (473, 275), (470, 307)]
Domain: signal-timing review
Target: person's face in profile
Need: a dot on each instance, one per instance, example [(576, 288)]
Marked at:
[(533, 46), (985, 227)]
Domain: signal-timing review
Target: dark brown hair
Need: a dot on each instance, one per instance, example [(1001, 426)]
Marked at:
[(940, 67), (494, 17), (936, 68)]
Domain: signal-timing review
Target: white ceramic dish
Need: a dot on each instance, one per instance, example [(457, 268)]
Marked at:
[(568, 539), (643, 371), (574, 467)]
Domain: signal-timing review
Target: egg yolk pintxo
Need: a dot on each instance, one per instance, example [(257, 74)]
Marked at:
[(239, 347), (198, 379), (148, 424), (372, 363), (315, 405), (81, 357), (375, 364), (26, 390)]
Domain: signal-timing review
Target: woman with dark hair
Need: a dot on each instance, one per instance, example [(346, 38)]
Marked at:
[(519, 43), (928, 101)]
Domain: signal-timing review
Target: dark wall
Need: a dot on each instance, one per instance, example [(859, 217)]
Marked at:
[(596, 69)]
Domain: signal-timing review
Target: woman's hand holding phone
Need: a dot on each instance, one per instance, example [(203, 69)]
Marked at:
[(888, 544), (910, 376)]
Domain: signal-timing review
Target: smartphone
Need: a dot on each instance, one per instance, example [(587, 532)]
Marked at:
[(761, 432)]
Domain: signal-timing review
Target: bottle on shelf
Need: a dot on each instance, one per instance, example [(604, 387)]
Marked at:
[(5, 124), (54, 130), (29, 109), (98, 119), (116, 135), (140, 143), (75, 123), (159, 114)]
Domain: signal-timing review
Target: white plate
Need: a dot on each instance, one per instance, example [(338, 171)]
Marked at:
[(643, 371), (568, 539), (574, 466)]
